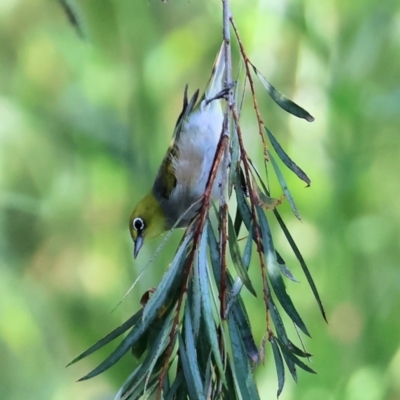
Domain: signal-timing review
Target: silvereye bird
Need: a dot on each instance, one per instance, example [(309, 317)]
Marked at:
[(184, 172)]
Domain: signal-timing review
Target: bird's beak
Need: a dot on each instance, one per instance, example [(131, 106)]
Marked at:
[(138, 245)]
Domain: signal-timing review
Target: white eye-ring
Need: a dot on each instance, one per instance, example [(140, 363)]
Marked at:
[(138, 224)]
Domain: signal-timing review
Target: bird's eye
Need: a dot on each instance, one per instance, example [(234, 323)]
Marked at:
[(138, 224)]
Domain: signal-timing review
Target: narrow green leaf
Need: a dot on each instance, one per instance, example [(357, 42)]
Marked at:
[(274, 272), (170, 395), (192, 356), (243, 206), (286, 159), (158, 346), (195, 392), (131, 377), (122, 348), (247, 249), (150, 312), (144, 372), (237, 259), (110, 337), (151, 388), (243, 324), (294, 359), (238, 221), (235, 305), (140, 392), (74, 18), (291, 366), (283, 101), (280, 368), (284, 269), (182, 392), (207, 312), (208, 375), (277, 320), (166, 387), (229, 392), (303, 264), (292, 348), (161, 296), (284, 186), (214, 253), (242, 371), (195, 301), (236, 288)]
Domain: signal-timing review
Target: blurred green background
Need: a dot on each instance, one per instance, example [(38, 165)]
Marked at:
[(83, 128)]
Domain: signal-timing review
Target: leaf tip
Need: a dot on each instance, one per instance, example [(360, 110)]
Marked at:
[(309, 118)]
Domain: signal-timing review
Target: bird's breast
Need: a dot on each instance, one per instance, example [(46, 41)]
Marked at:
[(196, 151)]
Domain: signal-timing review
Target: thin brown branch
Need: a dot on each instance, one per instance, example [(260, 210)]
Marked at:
[(253, 93)]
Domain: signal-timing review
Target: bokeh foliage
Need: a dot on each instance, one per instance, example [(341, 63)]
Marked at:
[(84, 126)]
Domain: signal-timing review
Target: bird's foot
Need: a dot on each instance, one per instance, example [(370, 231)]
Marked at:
[(223, 94)]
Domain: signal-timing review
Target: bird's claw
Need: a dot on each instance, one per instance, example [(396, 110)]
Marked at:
[(223, 94)]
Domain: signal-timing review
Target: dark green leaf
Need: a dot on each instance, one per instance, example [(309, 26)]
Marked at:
[(303, 264), (208, 374), (284, 269), (214, 253), (237, 259), (283, 101), (194, 386), (159, 345), (111, 336), (243, 324), (291, 365), (277, 320), (195, 301), (284, 186), (170, 395), (286, 159), (73, 16), (229, 389), (157, 301), (280, 368), (161, 296), (238, 221), (144, 372), (207, 311), (236, 288), (247, 249), (192, 356), (294, 359), (274, 272), (242, 371), (123, 347), (243, 206), (295, 350), (126, 383)]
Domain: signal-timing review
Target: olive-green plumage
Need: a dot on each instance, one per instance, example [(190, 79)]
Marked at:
[(185, 169)]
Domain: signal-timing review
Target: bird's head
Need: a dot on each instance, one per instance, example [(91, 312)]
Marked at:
[(147, 221)]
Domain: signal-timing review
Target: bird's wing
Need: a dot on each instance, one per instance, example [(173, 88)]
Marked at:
[(166, 179)]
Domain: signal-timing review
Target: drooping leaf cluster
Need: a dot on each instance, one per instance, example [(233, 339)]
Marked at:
[(193, 335)]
